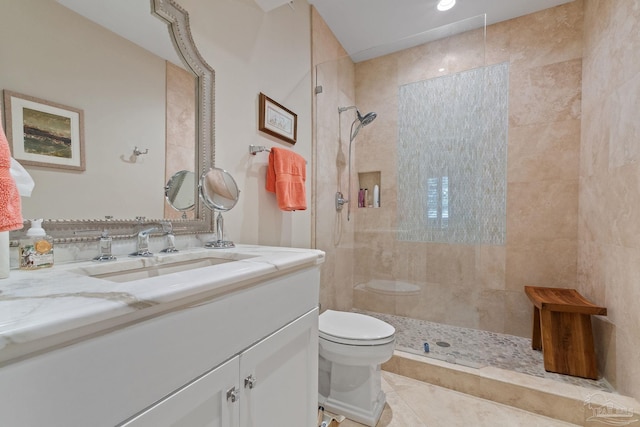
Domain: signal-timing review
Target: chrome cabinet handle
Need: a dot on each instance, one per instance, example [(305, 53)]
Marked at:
[(250, 382), (233, 395)]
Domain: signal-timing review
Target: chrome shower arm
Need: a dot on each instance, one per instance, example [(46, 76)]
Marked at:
[(343, 109)]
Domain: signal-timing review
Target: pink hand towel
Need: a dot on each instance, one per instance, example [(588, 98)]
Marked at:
[(10, 208), (286, 175)]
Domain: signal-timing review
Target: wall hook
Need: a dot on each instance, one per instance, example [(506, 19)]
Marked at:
[(137, 152)]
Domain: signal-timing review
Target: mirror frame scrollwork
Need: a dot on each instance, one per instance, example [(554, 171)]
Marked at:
[(71, 231)]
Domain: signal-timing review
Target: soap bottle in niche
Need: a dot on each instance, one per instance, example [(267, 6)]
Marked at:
[(376, 196), (36, 250)]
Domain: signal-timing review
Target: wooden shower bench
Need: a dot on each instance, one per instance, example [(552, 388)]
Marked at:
[(562, 330)]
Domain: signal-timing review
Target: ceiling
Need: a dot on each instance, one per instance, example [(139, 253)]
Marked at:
[(372, 28), (365, 28)]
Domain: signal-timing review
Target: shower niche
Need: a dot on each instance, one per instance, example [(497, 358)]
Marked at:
[(369, 189)]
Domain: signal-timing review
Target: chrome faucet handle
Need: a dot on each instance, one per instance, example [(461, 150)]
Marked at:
[(167, 227), (142, 248), (171, 238), (104, 246)]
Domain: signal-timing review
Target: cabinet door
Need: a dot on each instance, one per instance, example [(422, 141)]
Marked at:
[(279, 377), (205, 402)]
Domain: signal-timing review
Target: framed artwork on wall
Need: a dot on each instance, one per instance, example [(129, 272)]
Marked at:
[(44, 133), (277, 120)]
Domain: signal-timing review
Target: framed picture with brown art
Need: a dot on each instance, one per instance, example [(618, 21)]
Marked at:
[(44, 133), (277, 120)]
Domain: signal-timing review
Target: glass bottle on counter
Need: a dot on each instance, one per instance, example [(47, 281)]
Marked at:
[(36, 249)]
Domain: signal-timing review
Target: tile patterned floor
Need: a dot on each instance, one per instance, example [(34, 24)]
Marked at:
[(475, 348)]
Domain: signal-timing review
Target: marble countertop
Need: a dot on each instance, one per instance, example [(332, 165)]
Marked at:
[(46, 308)]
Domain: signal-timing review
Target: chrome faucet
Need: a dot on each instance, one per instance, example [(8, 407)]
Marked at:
[(142, 241), (142, 244)]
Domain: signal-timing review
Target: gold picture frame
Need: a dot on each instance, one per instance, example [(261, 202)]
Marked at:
[(44, 133), (277, 120)]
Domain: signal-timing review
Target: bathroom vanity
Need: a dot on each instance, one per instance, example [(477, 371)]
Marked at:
[(200, 337)]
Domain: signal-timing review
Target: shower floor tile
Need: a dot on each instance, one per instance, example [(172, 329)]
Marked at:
[(475, 348)]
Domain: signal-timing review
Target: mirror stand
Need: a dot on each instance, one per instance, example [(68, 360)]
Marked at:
[(219, 192), (220, 243)]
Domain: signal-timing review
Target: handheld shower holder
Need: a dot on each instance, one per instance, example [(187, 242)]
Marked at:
[(340, 201)]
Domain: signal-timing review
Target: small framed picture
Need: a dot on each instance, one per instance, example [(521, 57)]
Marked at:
[(44, 133), (277, 120)]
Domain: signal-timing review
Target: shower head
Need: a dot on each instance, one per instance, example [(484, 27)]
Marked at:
[(368, 118), (364, 120)]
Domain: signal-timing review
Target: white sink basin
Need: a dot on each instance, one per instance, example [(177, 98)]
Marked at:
[(131, 269), (159, 270)]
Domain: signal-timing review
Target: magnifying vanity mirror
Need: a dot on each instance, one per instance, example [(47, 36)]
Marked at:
[(219, 192), (118, 115), (179, 191)]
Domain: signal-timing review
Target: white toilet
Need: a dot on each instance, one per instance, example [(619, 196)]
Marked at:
[(352, 348)]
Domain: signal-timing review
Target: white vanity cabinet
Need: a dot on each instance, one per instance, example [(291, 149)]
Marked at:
[(273, 383), (175, 366)]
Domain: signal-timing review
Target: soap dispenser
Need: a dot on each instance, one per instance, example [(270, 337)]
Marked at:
[(36, 250)]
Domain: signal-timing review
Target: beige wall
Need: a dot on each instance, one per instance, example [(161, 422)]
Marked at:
[(482, 286), (252, 52), (609, 230), (333, 233)]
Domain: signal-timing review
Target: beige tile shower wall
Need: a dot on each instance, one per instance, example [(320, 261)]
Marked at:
[(482, 286), (334, 71), (609, 227)]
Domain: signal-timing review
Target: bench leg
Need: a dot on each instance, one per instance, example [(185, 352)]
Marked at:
[(536, 342), (567, 342)]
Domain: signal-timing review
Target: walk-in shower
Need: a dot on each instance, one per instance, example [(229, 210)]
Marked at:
[(362, 122), (435, 251), (474, 142)]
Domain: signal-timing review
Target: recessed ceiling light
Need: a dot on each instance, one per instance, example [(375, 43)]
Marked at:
[(446, 5)]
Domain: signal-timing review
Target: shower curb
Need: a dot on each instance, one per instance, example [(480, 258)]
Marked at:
[(565, 402)]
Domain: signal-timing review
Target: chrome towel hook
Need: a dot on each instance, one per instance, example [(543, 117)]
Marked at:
[(137, 152)]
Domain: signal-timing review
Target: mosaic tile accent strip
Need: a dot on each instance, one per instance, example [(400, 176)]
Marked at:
[(452, 157), (476, 348)]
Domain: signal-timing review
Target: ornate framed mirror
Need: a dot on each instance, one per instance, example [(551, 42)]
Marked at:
[(87, 226)]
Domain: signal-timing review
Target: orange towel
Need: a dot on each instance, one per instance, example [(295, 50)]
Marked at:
[(10, 208), (286, 175)]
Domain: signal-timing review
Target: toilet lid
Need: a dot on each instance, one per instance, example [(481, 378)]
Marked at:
[(354, 326)]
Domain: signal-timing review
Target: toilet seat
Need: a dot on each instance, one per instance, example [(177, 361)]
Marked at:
[(354, 329)]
